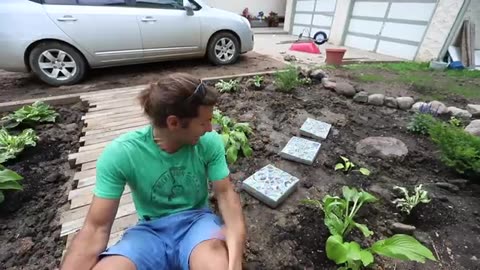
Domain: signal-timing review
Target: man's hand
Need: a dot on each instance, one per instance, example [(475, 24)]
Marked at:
[(235, 229)]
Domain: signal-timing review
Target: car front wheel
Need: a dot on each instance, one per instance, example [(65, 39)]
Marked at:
[(57, 64), (223, 49)]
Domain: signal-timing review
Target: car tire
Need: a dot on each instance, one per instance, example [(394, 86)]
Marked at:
[(57, 64), (223, 49)]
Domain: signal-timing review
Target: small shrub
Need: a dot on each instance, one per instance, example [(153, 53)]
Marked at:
[(455, 122), (230, 86), (458, 149), (421, 123), (348, 166), (407, 203), (38, 112), (9, 180), (287, 80), (11, 146), (258, 81)]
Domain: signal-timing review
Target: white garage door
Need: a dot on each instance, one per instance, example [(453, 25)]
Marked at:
[(391, 27), (311, 16)]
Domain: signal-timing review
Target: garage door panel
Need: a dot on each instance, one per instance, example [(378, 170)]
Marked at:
[(411, 11), (370, 9), (404, 31), (305, 6), (365, 27), (297, 30), (322, 20), (397, 49), (363, 43), (325, 6), (303, 19)]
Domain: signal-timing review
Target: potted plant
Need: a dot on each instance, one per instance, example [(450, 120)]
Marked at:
[(273, 19)]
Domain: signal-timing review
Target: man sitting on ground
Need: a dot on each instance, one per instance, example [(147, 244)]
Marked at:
[(167, 166)]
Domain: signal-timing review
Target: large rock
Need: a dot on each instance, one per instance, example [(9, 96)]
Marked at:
[(417, 106), (361, 97), (405, 103), (474, 128), (459, 113), (438, 107), (474, 110), (382, 147), (376, 99), (345, 89), (391, 102), (327, 84)]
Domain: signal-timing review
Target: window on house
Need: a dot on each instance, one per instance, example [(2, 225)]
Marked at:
[(163, 4)]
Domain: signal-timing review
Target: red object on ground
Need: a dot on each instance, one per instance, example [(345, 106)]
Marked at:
[(305, 46), (335, 56)]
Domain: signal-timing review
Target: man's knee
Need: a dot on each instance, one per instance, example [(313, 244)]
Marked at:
[(115, 262), (211, 255)]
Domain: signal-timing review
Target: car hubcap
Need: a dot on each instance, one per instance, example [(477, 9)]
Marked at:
[(225, 49), (57, 64)]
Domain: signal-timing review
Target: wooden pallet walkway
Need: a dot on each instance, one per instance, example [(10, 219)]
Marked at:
[(111, 114)]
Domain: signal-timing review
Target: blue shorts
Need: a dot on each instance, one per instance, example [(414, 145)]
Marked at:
[(167, 243)]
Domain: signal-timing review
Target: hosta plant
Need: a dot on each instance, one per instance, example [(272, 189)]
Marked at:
[(407, 203), (38, 112), (352, 256), (234, 135), (421, 123), (227, 86), (346, 166), (11, 145), (9, 180)]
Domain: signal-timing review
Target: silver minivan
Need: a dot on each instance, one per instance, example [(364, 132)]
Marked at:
[(60, 40)]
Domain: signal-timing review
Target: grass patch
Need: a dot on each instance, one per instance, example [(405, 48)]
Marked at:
[(369, 78), (396, 67)]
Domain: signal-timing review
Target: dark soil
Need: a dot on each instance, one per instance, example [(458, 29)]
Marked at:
[(293, 236), (30, 219)]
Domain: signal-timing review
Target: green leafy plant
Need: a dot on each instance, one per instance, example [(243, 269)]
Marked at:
[(348, 166), (38, 112), (258, 81), (287, 80), (352, 256), (11, 146), (340, 212), (407, 203), (459, 149), (421, 123), (455, 122), (227, 86), (234, 135), (9, 180), (305, 81)]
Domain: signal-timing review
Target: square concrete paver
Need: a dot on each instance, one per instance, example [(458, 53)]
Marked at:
[(270, 185), (315, 129), (301, 150)]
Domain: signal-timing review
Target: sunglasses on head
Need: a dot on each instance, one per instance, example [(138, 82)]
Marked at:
[(198, 94)]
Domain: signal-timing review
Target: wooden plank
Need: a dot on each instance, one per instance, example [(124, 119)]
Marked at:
[(74, 156), (86, 199), (89, 165), (98, 126), (111, 97), (87, 190), (139, 123), (84, 174), (126, 112), (114, 91), (108, 134), (93, 147), (103, 139), (114, 105), (85, 182), (114, 101), (123, 118), (75, 225)]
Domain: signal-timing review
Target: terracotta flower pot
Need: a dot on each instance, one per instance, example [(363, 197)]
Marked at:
[(335, 56)]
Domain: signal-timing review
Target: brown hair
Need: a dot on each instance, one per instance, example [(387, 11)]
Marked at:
[(177, 94)]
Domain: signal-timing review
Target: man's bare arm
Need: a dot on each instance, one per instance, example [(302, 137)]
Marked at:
[(92, 239)]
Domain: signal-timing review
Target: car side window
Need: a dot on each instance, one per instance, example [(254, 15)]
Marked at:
[(163, 4), (60, 2), (102, 2)]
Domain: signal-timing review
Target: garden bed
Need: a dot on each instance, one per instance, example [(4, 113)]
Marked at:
[(293, 235), (30, 219)]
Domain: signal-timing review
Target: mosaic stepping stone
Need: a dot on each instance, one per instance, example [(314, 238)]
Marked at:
[(301, 150), (270, 185), (315, 129)]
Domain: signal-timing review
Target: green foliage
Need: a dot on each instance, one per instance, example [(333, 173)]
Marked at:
[(9, 180), (353, 256), (287, 80), (257, 81), (407, 203), (11, 146), (370, 78), (421, 123), (227, 86), (305, 81), (455, 122), (38, 112), (348, 166), (340, 212), (458, 149), (234, 135)]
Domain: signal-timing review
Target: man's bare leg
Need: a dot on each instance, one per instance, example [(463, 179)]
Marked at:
[(115, 262), (209, 255)]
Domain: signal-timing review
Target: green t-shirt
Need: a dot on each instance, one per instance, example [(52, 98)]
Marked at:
[(161, 183)]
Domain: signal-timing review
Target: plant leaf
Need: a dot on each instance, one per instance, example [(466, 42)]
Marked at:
[(364, 171), (225, 138), (232, 154), (334, 223), (366, 257), (364, 229), (247, 150), (403, 247), (366, 197), (11, 185), (315, 203), (353, 251), (339, 166), (336, 250), (349, 193), (7, 175), (344, 159)]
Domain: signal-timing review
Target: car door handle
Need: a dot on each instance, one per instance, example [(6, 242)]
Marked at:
[(148, 19), (67, 18)]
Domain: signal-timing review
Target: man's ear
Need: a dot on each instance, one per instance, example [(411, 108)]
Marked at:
[(173, 122)]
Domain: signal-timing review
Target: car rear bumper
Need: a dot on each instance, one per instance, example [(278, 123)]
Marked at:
[(248, 41)]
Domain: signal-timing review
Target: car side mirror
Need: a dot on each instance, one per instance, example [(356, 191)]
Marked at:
[(189, 10)]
